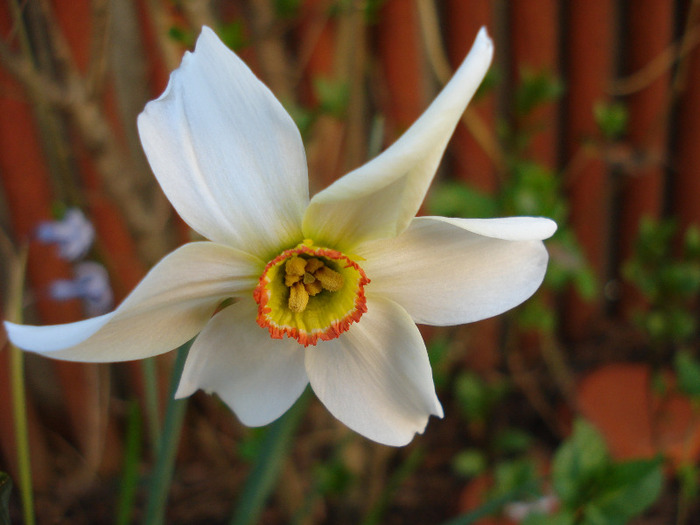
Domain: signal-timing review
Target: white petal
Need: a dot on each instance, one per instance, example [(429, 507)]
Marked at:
[(454, 271), (380, 198), (168, 307), (226, 153), (258, 377), (376, 377)]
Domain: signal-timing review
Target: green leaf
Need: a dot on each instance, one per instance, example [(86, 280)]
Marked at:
[(455, 199), (477, 397), (611, 118), (181, 36), (5, 490), (536, 88), (563, 517), (687, 373), (511, 475), (578, 464), (286, 8), (625, 491), (273, 450), (233, 35), (512, 440), (469, 463), (332, 94)]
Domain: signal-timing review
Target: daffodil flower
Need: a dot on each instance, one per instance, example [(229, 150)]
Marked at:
[(290, 290)]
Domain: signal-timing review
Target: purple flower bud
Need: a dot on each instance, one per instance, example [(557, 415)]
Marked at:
[(91, 285), (73, 234)]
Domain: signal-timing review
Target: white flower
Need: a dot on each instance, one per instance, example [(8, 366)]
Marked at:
[(326, 291)]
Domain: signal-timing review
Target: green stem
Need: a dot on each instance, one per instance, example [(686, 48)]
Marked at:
[(130, 475), (409, 465), (19, 399), (493, 506), (150, 378), (273, 451), (162, 474), (19, 409)]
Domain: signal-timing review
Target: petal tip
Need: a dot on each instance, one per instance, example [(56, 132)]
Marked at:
[(185, 389), (549, 227)]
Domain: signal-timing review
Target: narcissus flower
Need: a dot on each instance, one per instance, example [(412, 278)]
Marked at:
[(326, 290)]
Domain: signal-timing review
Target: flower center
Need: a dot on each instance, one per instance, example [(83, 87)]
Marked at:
[(310, 293)]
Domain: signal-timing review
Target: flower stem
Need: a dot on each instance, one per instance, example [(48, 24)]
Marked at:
[(19, 409), (130, 475), (162, 474), (19, 399), (150, 379), (273, 451)]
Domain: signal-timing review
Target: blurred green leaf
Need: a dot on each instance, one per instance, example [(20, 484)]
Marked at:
[(562, 517), (301, 116), (578, 464), (333, 477), (181, 36), (233, 35), (273, 450), (286, 8), (332, 94), (5, 490), (689, 478), (687, 373), (692, 242), (476, 397), (455, 199), (469, 463), (512, 441), (536, 88), (611, 118), (513, 475), (438, 352), (625, 491), (536, 315), (491, 80)]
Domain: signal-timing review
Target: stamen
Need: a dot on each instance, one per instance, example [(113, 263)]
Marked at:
[(289, 280), (313, 264), (310, 293), (331, 280), (298, 298), (295, 266), (313, 288)]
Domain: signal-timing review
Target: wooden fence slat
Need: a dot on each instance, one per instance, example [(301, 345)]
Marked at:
[(534, 47), (590, 27), (686, 183), (401, 59), (470, 162), (650, 27)]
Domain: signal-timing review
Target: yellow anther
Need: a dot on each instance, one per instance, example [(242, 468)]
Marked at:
[(313, 264), (330, 279), (289, 280), (295, 266), (313, 288), (298, 298)]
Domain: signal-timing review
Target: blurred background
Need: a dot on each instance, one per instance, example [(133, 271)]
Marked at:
[(580, 406)]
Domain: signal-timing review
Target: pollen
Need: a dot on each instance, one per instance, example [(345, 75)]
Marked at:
[(310, 293), (308, 277)]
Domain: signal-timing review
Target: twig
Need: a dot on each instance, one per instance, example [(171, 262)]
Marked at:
[(657, 66)]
